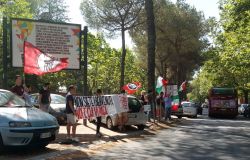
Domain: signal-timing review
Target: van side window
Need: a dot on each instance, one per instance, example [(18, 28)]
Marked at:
[(134, 105)]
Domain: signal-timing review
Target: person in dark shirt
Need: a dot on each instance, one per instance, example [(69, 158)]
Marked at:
[(71, 114), (98, 119), (18, 88), (44, 98)]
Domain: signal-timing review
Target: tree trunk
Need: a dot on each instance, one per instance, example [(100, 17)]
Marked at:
[(151, 43), (123, 59)]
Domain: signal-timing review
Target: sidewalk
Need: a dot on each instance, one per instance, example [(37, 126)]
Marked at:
[(88, 140)]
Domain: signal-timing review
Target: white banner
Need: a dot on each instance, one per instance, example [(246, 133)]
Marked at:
[(95, 106), (61, 40)]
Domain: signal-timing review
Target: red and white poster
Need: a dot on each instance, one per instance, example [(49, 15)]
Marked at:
[(95, 106)]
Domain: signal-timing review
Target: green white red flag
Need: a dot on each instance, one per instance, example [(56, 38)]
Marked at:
[(160, 83)]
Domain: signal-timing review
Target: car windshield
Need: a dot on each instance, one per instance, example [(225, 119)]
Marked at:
[(8, 99), (57, 99)]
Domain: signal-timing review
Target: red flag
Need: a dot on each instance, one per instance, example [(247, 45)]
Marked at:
[(131, 88), (39, 63)]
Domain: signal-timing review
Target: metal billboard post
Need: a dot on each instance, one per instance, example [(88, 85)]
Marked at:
[(5, 54)]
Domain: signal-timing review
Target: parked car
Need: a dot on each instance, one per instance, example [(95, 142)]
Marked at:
[(24, 125), (242, 107), (247, 111), (177, 111), (57, 106), (136, 115), (186, 109)]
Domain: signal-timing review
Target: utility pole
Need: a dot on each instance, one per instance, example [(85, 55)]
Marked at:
[(85, 65), (85, 61)]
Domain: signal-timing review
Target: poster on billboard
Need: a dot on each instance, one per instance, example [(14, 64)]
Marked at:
[(61, 40)]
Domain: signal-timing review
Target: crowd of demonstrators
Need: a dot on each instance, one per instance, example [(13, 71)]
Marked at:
[(44, 98), (71, 114), (163, 103)]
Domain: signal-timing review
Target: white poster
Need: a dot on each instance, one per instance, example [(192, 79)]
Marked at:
[(59, 40), (95, 106)]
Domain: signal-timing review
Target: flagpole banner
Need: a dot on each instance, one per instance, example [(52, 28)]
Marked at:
[(39, 63), (61, 40), (95, 106)]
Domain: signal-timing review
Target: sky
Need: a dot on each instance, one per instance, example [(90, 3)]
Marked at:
[(209, 7)]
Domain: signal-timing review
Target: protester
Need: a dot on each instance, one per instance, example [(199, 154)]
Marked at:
[(98, 119), (168, 105), (123, 117), (44, 98), (18, 88), (71, 114), (26, 94), (149, 97), (142, 98), (159, 104)]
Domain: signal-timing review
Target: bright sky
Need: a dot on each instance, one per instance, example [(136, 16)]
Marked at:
[(209, 7)]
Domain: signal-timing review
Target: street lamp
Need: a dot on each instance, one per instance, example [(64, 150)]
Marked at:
[(5, 48)]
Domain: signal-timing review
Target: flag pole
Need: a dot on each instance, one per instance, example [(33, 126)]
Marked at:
[(24, 79)]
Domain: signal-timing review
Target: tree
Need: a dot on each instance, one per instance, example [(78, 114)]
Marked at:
[(113, 15), (235, 55), (180, 40), (50, 10), (18, 9), (228, 61), (151, 43)]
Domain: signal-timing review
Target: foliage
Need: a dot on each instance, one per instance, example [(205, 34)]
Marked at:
[(180, 40), (229, 60), (113, 16), (17, 9), (50, 10)]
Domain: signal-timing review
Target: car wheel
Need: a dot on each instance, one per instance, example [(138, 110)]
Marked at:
[(109, 123), (141, 127), (179, 117)]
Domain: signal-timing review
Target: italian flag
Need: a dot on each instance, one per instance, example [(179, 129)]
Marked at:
[(160, 83)]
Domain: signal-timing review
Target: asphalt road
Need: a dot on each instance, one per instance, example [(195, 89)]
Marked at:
[(201, 138)]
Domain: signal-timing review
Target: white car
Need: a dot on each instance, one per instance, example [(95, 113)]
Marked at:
[(242, 108), (189, 109), (136, 115), (23, 125)]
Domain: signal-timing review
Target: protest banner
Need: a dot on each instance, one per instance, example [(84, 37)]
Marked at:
[(95, 106)]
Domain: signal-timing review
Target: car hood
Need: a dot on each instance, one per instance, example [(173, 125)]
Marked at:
[(36, 117)]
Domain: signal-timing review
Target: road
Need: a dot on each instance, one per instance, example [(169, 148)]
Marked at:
[(201, 138)]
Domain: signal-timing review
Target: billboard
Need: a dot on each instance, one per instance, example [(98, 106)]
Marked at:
[(61, 40)]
